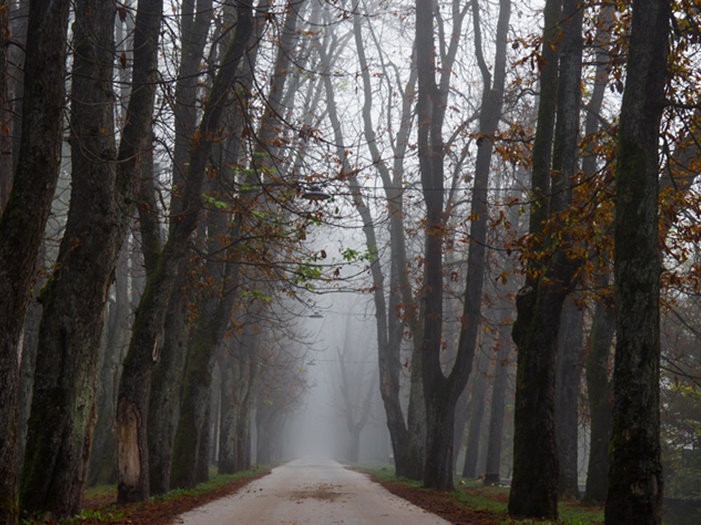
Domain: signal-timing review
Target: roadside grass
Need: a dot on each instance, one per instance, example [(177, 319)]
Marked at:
[(492, 501), (100, 507)]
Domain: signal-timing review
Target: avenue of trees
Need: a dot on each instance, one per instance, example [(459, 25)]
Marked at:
[(513, 189)]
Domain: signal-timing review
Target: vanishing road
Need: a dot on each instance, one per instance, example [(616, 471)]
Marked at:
[(312, 491)]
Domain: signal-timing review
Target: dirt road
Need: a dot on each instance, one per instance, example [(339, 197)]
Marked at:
[(314, 491)]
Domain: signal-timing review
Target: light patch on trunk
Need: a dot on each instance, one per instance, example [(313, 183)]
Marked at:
[(128, 438), (651, 488)]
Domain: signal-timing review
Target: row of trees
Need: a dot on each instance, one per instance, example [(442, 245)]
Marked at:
[(192, 137), (212, 288)]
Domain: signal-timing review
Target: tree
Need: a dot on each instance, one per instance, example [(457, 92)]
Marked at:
[(598, 351), (408, 435), (195, 22), (441, 392), (567, 386), (63, 412), (133, 400), (24, 217), (356, 396), (6, 161), (239, 368), (539, 304), (635, 475)]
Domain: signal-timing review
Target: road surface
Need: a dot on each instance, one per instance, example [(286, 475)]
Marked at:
[(314, 491)]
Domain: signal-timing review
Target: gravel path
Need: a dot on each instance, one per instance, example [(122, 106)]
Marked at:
[(314, 491)]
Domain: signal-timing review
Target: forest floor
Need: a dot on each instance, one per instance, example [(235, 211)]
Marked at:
[(470, 504)]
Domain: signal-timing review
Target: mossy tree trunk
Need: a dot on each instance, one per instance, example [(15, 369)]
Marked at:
[(25, 215), (132, 408), (635, 475), (63, 404), (102, 467), (195, 22)]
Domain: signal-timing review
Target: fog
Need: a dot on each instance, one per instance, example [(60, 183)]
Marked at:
[(345, 336)]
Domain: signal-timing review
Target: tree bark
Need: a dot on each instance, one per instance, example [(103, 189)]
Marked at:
[(24, 218), (239, 373), (6, 119), (63, 404), (496, 418), (600, 398), (478, 401), (102, 467), (567, 385), (635, 476), (539, 304)]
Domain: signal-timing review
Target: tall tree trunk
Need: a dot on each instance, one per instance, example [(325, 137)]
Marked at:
[(164, 403), (30, 343), (25, 215), (570, 354), (6, 119), (193, 409), (407, 435), (600, 398), (635, 476), (135, 146), (102, 467), (356, 417), (166, 389), (441, 392), (477, 402), (18, 28), (63, 405), (492, 474), (15, 70), (535, 480), (134, 390), (238, 378), (603, 323)]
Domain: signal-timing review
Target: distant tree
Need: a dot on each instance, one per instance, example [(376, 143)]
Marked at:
[(635, 476), (407, 434), (239, 366), (598, 349), (357, 390)]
